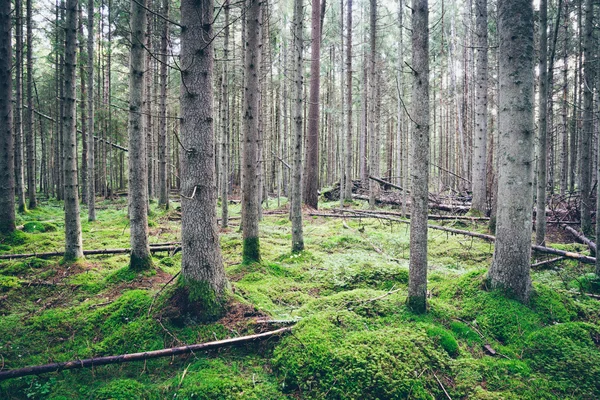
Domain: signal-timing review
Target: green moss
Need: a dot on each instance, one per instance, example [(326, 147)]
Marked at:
[(140, 263), (15, 238), (464, 332), (568, 353), (444, 338), (251, 250), (196, 301), (8, 282), (121, 389), (417, 304), (333, 356)]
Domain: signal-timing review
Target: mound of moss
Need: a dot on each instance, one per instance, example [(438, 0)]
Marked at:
[(336, 355)]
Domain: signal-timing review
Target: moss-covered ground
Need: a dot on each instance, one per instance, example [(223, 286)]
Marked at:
[(355, 339)]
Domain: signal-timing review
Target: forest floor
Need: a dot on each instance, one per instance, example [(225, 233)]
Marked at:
[(354, 338)]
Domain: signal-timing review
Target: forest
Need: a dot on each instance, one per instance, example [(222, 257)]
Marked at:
[(268, 199)]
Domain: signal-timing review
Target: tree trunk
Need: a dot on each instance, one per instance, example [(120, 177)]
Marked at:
[(91, 197), (479, 170), (250, 192), (373, 142), (296, 206), (511, 262), (29, 138), (163, 198), (417, 282), (311, 166), (83, 114), (7, 166), (73, 240), (588, 121), (138, 177), (542, 157), (18, 115), (564, 150), (225, 124), (201, 263), (348, 173)]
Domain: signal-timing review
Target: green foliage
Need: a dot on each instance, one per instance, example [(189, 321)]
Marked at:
[(16, 238), (8, 282)]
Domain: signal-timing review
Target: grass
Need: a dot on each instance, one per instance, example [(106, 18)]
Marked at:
[(355, 337)]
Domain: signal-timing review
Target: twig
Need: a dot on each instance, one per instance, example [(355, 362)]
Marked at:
[(442, 386)]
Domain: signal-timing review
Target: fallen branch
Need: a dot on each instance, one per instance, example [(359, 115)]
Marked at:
[(433, 217), (581, 237), (541, 249), (153, 249), (94, 362), (552, 260)]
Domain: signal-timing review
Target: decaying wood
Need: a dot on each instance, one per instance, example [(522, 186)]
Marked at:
[(581, 237), (541, 249), (552, 260), (153, 249), (397, 214), (95, 362)]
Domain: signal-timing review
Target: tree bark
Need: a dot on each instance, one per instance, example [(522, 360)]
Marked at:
[(373, 142), (250, 194), (201, 263), (479, 169), (542, 158), (29, 138), (163, 195), (348, 166), (311, 167), (73, 240), (296, 206), (225, 123), (511, 262), (18, 114), (588, 121), (7, 166), (91, 179), (417, 282), (141, 258)]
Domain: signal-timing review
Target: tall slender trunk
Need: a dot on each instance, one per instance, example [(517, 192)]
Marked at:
[(479, 170), (225, 124), (540, 226), (73, 240), (588, 120), (30, 136), (163, 199), (348, 172), (18, 114), (296, 206), (564, 151), (138, 180), (91, 198), (201, 264), (373, 142), (311, 164), (7, 166), (417, 281), (81, 62), (511, 263), (250, 192)]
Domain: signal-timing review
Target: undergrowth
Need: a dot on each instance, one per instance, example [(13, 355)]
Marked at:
[(355, 338)]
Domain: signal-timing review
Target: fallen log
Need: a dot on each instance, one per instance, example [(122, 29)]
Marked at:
[(173, 351), (443, 207), (153, 249), (431, 216), (581, 237), (541, 249), (552, 260)]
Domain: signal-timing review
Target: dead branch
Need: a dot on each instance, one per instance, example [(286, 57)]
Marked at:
[(153, 249), (173, 351), (581, 237), (551, 261)]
